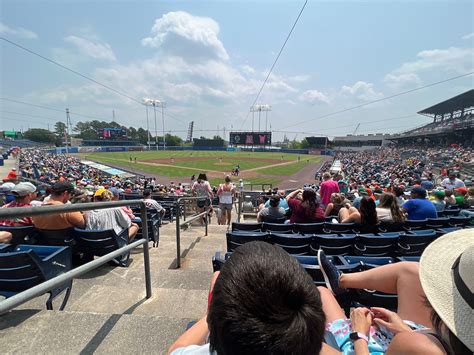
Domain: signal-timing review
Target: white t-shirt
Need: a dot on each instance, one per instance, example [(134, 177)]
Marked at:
[(150, 203), (451, 185), (202, 189), (384, 214), (110, 218)]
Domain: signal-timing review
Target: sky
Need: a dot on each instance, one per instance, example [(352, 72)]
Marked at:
[(208, 59)]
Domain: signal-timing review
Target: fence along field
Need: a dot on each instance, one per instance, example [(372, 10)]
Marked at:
[(256, 167)]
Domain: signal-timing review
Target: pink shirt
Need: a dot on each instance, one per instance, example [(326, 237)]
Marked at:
[(327, 188)]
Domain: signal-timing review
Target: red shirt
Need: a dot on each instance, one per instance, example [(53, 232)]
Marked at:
[(328, 187), (18, 221), (298, 213)]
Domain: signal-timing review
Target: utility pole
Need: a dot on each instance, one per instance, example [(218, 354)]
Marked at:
[(156, 130), (66, 131)]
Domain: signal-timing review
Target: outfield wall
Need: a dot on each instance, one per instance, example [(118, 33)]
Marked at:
[(62, 150)]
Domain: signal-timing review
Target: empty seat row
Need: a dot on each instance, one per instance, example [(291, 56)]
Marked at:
[(382, 244), (327, 227)]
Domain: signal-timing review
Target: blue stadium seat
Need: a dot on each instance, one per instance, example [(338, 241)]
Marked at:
[(278, 228), (366, 262), (440, 222), (236, 239), (21, 234), (273, 220), (459, 221), (390, 227), (102, 242), (409, 258), (339, 227), (294, 244), (450, 212), (25, 266), (414, 242), (58, 237), (365, 228), (309, 228), (333, 244), (415, 224), (372, 245), (247, 227), (443, 231)]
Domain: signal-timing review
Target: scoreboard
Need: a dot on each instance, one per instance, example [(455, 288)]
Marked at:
[(250, 138), (112, 133), (317, 141)]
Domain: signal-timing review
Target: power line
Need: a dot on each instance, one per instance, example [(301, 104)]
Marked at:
[(276, 59), (83, 76), (382, 99), (34, 116)]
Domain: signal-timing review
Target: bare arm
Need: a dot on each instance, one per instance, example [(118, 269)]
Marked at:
[(329, 208), (196, 335), (293, 194)]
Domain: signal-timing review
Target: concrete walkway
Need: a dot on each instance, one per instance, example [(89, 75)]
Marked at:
[(108, 312)]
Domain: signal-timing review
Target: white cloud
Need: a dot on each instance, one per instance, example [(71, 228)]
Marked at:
[(18, 32), (362, 90), (454, 59), (190, 37), (402, 81), (468, 36), (314, 96), (95, 50)]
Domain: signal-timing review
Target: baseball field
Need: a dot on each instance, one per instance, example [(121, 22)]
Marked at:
[(255, 167)]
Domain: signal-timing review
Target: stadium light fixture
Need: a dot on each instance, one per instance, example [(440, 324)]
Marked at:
[(259, 108), (146, 102)]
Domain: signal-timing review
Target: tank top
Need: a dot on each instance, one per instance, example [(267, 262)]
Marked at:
[(226, 195)]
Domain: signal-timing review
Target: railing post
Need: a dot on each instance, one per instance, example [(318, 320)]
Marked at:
[(206, 221), (146, 252), (240, 200), (178, 236)]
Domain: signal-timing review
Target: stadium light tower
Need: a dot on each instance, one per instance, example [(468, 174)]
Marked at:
[(161, 104), (146, 102), (259, 108)]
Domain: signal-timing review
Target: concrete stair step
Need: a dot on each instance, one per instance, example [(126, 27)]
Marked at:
[(55, 332)]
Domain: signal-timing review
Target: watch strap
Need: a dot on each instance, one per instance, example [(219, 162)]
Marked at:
[(358, 335)]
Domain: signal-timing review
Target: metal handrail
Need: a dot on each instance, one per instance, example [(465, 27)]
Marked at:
[(22, 297), (178, 224)]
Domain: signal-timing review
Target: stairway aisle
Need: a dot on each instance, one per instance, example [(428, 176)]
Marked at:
[(107, 311)]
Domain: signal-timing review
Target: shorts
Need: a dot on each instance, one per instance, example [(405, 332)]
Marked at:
[(379, 339), (225, 206), (204, 202)]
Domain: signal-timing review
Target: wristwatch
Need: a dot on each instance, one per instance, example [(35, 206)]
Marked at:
[(356, 335)]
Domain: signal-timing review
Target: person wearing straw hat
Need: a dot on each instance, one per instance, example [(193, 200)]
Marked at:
[(436, 295)]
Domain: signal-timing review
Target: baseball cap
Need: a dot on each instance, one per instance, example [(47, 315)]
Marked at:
[(61, 187), (439, 193), (146, 192), (23, 189), (114, 191), (99, 192), (419, 191), (462, 190)]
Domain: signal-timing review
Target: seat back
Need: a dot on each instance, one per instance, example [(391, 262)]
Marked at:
[(459, 221), (274, 220), (368, 262), (58, 237), (332, 244), (19, 271), (339, 227), (413, 243), (365, 228), (294, 244), (385, 227), (279, 228), (415, 224), (451, 212), (437, 222), (21, 234), (236, 239), (373, 245), (309, 228), (247, 227)]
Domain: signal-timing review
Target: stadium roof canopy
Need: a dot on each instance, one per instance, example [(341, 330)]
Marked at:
[(453, 104)]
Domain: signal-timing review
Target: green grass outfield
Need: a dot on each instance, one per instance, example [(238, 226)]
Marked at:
[(194, 162)]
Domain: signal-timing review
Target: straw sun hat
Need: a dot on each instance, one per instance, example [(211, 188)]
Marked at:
[(447, 278)]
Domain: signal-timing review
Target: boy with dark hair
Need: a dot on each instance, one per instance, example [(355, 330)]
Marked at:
[(262, 302)]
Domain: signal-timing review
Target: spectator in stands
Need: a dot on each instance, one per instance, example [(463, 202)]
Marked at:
[(460, 196), (434, 313), (12, 176), (283, 203), (367, 213), (418, 207), (438, 201), (202, 189), (452, 182), (151, 203), (388, 209), (226, 192), (333, 208), (449, 198), (274, 211), (343, 186), (284, 316), (399, 192), (327, 188), (61, 192), (24, 193), (470, 197), (109, 218), (307, 209), (116, 197), (5, 237)]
